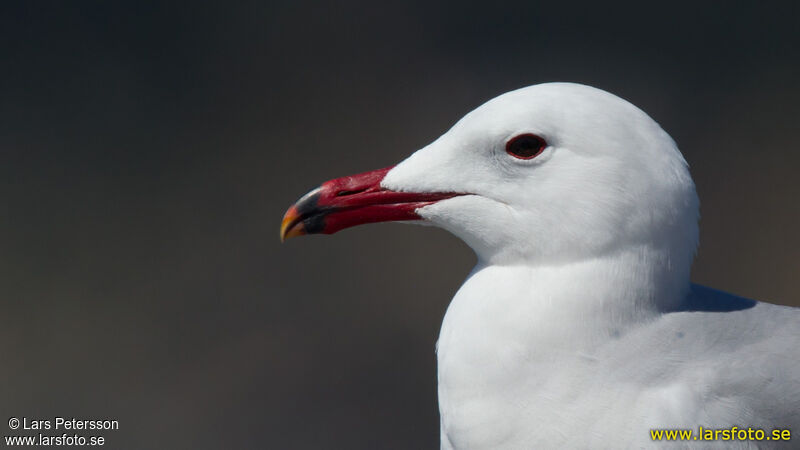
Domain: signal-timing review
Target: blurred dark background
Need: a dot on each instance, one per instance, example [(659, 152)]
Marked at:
[(149, 151)]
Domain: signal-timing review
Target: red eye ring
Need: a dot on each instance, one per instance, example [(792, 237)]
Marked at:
[(526, 146)]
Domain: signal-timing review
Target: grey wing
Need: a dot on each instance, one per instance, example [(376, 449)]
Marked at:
[(750, 352)]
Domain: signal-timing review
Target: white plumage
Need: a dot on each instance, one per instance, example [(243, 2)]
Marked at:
[(579, 328)]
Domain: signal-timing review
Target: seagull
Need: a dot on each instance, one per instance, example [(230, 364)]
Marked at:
[(578, 326)]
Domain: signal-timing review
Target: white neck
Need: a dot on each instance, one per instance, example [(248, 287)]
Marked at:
[(508, 324), (615, 290)]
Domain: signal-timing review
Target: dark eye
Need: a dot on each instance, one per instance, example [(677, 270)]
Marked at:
[(525, 146)]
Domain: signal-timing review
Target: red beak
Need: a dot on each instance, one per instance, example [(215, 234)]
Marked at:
[(354, 200)]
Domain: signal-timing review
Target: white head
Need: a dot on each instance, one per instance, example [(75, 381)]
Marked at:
[(608, 178)]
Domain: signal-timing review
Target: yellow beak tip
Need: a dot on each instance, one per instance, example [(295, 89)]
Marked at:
[(290, 227)]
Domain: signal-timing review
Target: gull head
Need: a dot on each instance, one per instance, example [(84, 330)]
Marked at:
[(551, 173)]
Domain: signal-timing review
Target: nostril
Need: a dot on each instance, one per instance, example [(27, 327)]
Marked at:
[(345, 192)]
